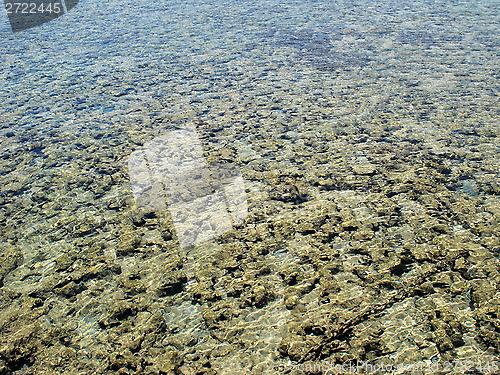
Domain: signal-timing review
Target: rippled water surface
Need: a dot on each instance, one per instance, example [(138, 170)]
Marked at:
[(251, 187)]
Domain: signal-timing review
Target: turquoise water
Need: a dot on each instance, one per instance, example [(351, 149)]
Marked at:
[(366, 134)]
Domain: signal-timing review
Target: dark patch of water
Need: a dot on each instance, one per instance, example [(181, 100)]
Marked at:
[(317, 49)]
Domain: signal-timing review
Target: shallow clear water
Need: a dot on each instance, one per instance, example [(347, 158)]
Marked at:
[(339, 204)]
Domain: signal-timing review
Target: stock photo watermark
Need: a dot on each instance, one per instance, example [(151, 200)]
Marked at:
[(26, 14), (366, 367), (205, 200)]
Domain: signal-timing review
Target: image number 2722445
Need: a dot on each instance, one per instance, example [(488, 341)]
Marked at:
[(33, 8), (26, 14)]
